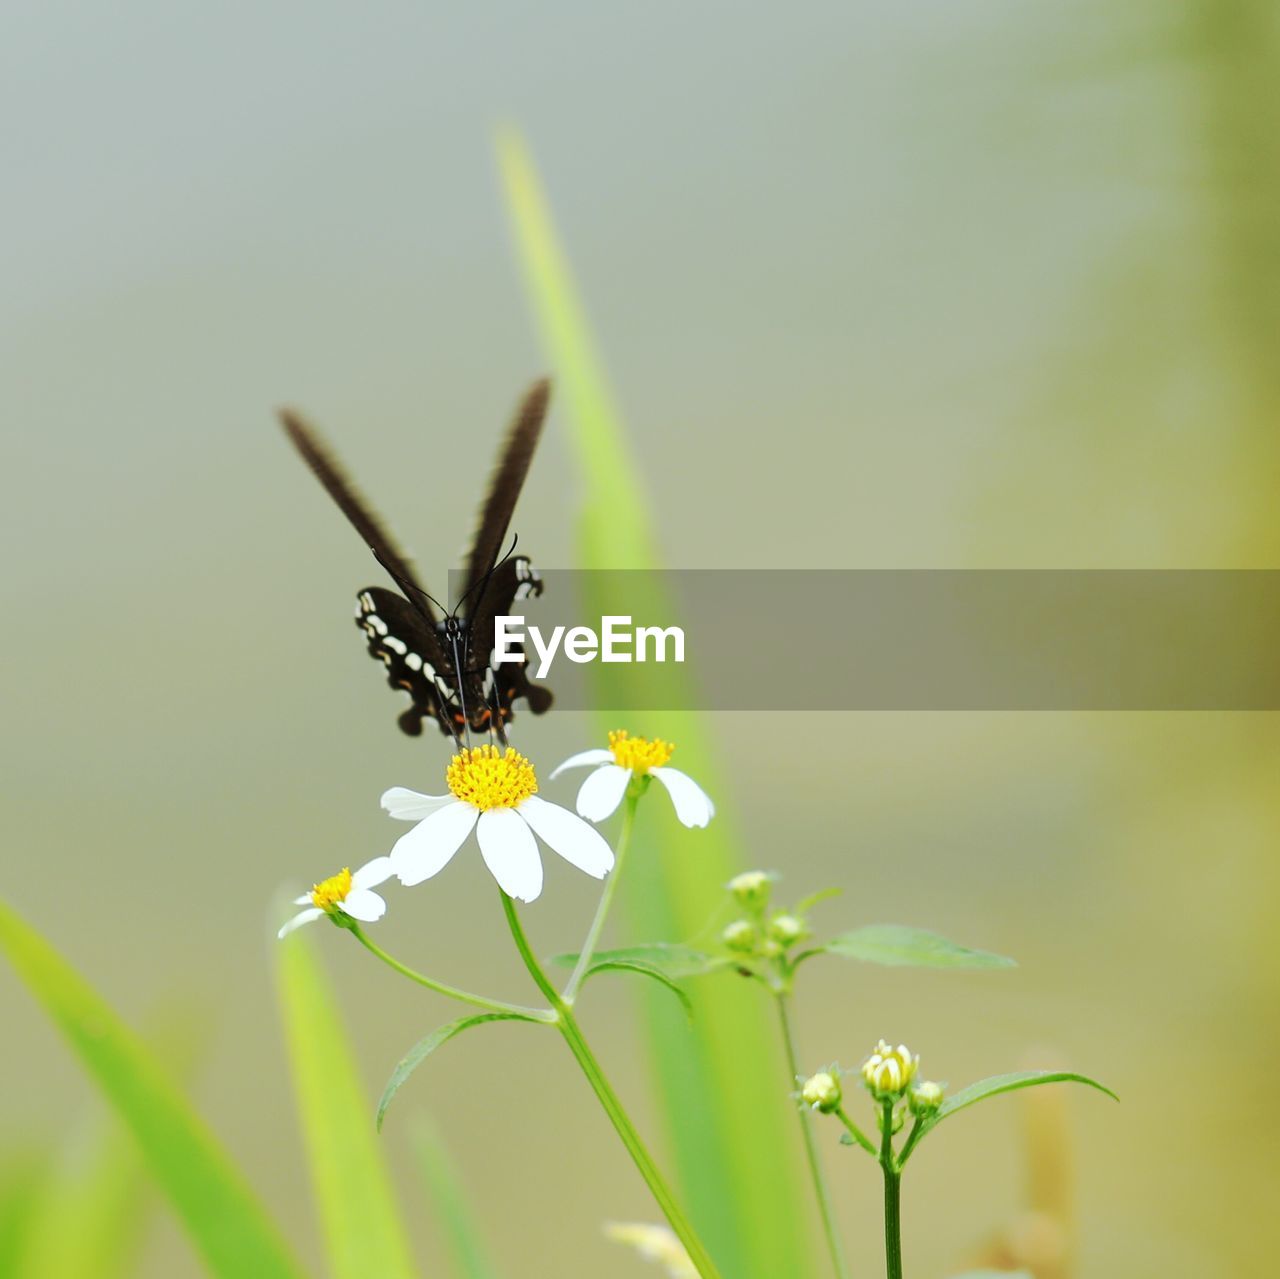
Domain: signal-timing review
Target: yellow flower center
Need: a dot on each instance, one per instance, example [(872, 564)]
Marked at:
[(639, 754), (485, 778), (329, 892)]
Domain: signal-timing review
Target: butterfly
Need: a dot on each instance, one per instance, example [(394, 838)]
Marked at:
[(444, 660)]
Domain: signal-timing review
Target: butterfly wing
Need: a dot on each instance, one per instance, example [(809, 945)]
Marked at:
[(357, 510), (513, 580), (415, 660), (508, 479)]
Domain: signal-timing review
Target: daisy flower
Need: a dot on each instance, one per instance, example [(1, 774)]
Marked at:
[(494, 795), (344, 894), (628, 757)]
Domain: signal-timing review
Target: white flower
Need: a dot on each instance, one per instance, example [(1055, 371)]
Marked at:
[(628, 757), (654, 1243), (344, 893), (493, 794)]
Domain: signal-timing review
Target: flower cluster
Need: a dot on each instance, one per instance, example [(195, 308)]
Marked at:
[(762, 934), (495, 794)]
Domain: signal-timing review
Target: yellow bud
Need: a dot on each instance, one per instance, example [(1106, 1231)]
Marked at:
[(821, 1092), (888, 1071)]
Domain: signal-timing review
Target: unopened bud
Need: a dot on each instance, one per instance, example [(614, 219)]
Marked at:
[(740, 936), (925, 1097), (888, 1071), (821, 1092), (786, 930), (752, 889)]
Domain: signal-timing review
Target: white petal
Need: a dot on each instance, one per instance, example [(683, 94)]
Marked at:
[(511, 853), (304, 900), (373, 873), (693, 804), (303, 917), (602, 792), (581, 760), (578, 842), (410, 806), (426, 849), (364, 905)]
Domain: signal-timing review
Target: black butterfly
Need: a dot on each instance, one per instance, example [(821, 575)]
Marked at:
[(445, 663)]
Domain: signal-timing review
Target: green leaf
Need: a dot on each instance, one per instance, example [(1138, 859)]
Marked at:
[(355, 1203), (427, 1045), (899, 946), (997, 1084), (463, 1237), (671, 960), (648, 970), (806, 904), (742, 1182), (222, 1216)]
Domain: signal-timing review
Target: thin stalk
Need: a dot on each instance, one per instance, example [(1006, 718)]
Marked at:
[(606, 897), (892, 1197), (465, 996), (838, 1263), (609, 1100)]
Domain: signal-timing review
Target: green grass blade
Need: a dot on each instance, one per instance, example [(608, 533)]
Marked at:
[(223, 1218), (462, 1235), (722, 1083), (24, 1178), (360, 1222), (93, 1217)]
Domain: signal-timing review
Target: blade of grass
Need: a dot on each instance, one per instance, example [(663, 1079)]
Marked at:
[(92, 1218), (463, 1238), (24, 1176), (360, 1222), (222, 1216), (722, 1083)]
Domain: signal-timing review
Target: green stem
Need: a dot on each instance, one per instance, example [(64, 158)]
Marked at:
[(838, 1263), (466, 997), (857, 1134), (892, 1197), (606, 897), (609, 1100)]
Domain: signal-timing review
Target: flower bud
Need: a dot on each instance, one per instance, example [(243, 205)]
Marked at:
[(752, 889), (925, 1097), (888, 1071), (786, 929), (821, 1092), (740, 936)]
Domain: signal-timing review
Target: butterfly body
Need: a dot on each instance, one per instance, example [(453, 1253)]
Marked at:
[(444, 660)]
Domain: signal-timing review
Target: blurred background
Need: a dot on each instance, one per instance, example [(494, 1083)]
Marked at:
[(894, 285)]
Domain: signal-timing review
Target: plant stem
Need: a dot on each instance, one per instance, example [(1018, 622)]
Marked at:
[(606, 897), (609, 1100), (490, 1005), (892, 1196), (838, 1263)]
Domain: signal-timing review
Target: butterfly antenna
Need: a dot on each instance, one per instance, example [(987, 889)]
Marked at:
[(484, 580)]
